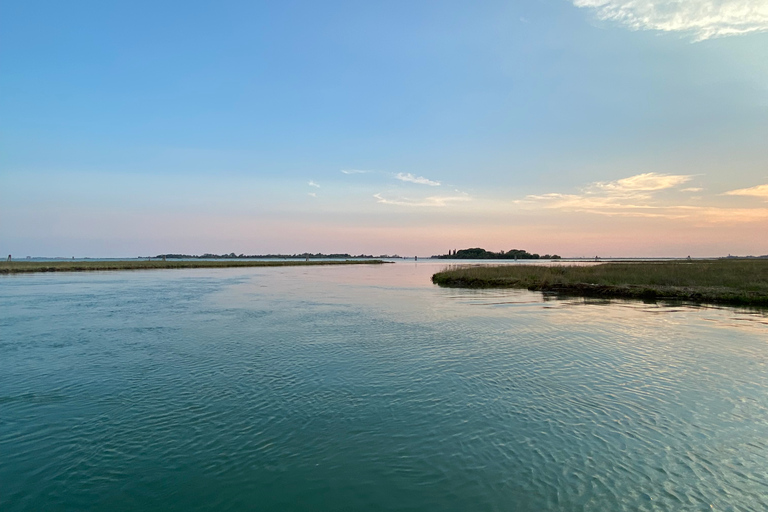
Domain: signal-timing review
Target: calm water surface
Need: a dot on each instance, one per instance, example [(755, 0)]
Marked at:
[(368, 388)]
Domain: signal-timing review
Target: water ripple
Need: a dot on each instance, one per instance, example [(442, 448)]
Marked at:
[(361, 388)]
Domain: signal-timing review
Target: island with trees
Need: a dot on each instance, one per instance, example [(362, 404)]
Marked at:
[(476, 253)]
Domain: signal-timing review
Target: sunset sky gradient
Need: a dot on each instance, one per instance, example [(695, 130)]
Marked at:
[(583, 127)]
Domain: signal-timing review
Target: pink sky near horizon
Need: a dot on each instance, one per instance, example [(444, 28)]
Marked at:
[(573, 234), (643, 215)]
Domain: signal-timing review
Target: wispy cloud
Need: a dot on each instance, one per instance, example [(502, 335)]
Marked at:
[(434, 201), (416, 179), (691, 189), (635, 196), (593, 204), (609, 207), (312, 194), (313, 184), (758, 191), (702, 19), (632, 194), (640, 183), (354, 171)]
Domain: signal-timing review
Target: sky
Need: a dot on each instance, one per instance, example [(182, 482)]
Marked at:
[(576, 127)]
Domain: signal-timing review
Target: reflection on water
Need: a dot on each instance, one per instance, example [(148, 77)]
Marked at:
[(368, 387)]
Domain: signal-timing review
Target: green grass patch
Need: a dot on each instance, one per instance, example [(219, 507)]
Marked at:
[(16, 267), (729, 281)]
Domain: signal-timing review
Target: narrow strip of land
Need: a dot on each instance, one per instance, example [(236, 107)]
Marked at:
[(17, 267), (737, 282)]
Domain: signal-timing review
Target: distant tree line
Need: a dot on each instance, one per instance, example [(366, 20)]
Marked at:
[(232, 256), (476, 253), (764, 256)]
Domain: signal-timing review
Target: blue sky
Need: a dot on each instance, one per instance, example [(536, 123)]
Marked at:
[(587, 127)]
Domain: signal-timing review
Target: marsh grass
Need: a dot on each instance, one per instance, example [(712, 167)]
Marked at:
[(714, 281), (15, 267)]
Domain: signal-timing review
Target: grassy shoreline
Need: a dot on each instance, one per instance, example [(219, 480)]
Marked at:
[(734, 282), (22, 267)]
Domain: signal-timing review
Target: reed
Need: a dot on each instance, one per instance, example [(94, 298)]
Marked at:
[(727, 281), (16, 267)]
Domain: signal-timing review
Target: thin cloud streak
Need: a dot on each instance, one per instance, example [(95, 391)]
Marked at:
[(758, 191), (420, 180), (635, 197), (704, 214), (355, 171), (432, 201), (313, 184), (648, 182), (703, 19)]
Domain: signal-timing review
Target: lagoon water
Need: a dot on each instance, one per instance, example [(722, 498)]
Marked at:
[(368, 388)]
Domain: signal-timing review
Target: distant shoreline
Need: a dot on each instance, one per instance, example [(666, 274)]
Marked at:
[(26, 267), (733, 282)]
